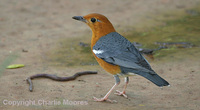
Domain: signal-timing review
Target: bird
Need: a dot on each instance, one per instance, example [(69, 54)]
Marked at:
[(117, 55)]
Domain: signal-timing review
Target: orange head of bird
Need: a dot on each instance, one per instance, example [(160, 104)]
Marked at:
[(98, 23)]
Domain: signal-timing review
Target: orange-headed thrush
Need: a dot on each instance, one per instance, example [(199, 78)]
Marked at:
[(116, 54)]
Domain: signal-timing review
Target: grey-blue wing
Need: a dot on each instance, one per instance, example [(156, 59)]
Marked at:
[(117, 50)]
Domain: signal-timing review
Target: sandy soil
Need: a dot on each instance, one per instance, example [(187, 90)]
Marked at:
[(36, 25)]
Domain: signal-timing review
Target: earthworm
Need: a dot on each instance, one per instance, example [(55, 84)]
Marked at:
[(56, 78)]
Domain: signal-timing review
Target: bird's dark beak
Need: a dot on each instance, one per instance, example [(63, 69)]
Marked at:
[(80, 18)]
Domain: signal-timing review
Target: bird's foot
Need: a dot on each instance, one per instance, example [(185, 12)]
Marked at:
[(121, 93), (103, 99)]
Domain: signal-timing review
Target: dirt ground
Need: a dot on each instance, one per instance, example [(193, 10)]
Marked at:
[(35, 26)]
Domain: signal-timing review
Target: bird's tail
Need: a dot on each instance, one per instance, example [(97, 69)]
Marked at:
[(154, 78), (151, 76)]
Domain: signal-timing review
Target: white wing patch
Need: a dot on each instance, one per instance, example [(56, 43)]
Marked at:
[(97, 51)]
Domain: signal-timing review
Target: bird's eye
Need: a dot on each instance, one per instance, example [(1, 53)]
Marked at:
[(93, 20)]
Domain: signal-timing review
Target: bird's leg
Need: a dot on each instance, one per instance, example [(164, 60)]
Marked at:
[(109, 92), (123, 92)]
